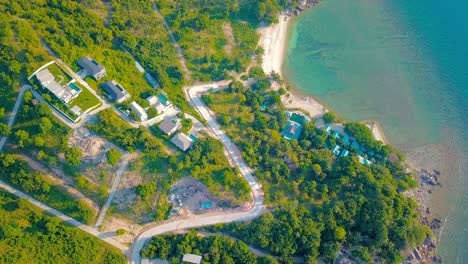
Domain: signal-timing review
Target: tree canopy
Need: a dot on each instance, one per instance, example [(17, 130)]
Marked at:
[(44, 239)]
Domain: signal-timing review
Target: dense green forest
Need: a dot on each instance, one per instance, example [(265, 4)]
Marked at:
[(323, 202), (214, 249), (27, 235)]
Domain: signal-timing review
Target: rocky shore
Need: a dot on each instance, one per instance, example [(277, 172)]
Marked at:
[(273, 40), (427, 252)]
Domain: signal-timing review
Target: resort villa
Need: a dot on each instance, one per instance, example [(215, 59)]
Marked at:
[(293, 128), (155, 102), (115, 91), (182, 141), (90, 67), (139, 111), (64, 93), (170, 126), (342, 152)]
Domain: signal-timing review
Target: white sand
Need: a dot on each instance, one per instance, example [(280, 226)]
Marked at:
[(273, 40), (376, 131)]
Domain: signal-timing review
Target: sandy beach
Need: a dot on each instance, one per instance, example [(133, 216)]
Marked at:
[(273, 39)]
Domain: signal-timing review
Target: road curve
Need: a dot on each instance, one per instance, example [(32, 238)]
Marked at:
[(234, 155)]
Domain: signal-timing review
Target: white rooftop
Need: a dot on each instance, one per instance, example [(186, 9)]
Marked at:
[(192, 258)]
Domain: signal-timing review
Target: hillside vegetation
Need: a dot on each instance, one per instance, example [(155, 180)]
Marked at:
[(219, 36), (28, 235), (323, 202)]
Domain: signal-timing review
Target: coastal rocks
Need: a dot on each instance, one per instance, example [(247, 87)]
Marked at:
[(424, 253), (304, 4), (431, 178), (436, 224)]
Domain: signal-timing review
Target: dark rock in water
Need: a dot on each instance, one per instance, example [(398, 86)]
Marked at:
[(436, 224)]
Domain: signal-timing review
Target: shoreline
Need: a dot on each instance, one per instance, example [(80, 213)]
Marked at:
[(274, 40)]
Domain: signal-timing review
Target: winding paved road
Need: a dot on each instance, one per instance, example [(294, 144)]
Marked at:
[(234, 155)]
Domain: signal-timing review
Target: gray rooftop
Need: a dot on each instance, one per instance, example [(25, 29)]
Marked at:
[(45, 76), (115, 91), (169, 125), (182, 141), (90, 65)]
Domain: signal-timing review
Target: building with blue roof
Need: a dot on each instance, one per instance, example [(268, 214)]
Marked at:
[(337, 134), (344, 153), (364, 161), (356, 145), (292, 130), (336, 150), (328, 130), (346, 140)]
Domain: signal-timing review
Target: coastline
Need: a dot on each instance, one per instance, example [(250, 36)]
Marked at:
[(274, 40)]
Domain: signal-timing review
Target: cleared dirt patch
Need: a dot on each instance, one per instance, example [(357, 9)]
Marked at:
[(190, 194), (228, 33)]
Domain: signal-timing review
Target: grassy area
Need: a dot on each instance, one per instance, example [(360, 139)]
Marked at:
[(85, 100), (61, 76)]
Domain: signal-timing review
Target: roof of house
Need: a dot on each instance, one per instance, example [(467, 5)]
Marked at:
[(328, 129), (336, 134), (292, 130), (115, 90), (45, 76), (151, 80), (182, 141), (336, 150), (140, 111), (344, 153), (192, 258), (355, 144), (364, 160), (169, 125), (90, 65), (159, 107), (152, 100), (346, 139)]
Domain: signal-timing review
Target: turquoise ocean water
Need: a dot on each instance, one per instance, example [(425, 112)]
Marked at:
[(404, 64)]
